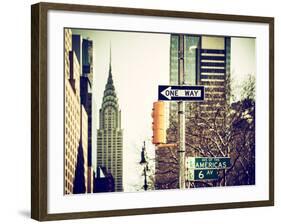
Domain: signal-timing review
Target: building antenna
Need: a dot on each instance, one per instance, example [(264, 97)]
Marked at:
[(110, 55)]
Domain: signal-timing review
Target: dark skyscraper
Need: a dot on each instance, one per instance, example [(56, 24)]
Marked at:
[(76, 47), (87, 59), (86, 83)]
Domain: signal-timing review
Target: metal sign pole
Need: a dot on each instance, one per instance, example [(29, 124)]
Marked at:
[(180, 93), (181, 115)]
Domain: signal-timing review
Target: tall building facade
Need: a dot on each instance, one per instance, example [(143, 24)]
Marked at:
[(83, 48), (110, 135), (76, 128), (207, 63), (214, 72)]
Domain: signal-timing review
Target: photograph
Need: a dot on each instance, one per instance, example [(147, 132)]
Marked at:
[(148, 111)]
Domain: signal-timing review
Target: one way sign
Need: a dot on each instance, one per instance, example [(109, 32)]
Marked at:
[(181, 93)]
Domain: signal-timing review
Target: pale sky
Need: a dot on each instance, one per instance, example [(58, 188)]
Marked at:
[(243, 62), (140, 62)]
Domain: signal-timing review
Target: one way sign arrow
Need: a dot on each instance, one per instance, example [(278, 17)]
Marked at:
[(181, 93)]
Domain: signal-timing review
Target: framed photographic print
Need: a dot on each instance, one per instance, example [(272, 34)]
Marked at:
[(138, 111)]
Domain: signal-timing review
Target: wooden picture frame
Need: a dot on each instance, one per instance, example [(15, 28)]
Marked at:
[(39, 109)]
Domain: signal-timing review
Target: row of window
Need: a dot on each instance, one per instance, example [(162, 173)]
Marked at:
[(70, 156), (71, 140), (68, 187), (69, 175)]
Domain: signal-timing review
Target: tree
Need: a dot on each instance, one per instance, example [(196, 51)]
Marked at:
[(166, 162), (227, 130), (228, 133), (249, 87)]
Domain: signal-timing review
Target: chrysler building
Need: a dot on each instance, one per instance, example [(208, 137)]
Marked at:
[(110, 134)]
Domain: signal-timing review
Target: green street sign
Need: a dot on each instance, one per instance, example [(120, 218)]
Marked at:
[(208, 162), (202, 174)]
